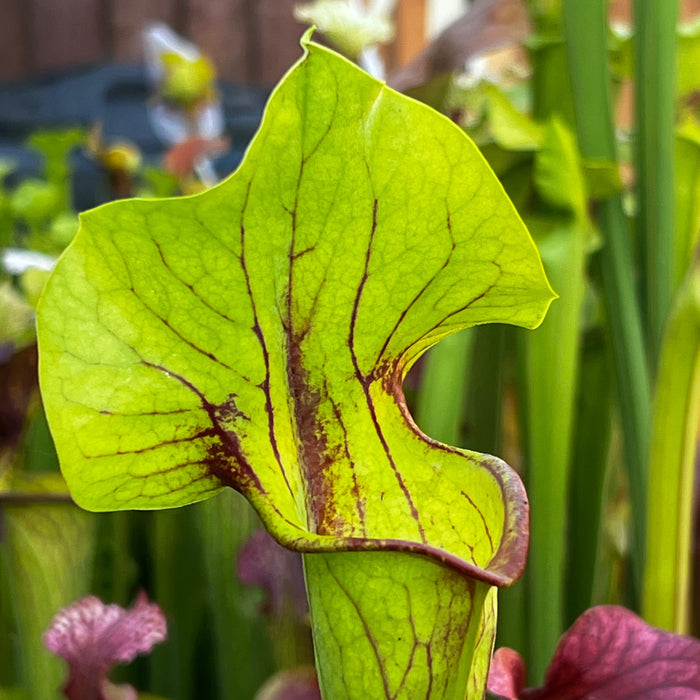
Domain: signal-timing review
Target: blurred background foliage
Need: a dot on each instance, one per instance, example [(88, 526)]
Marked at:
[(592, 126)]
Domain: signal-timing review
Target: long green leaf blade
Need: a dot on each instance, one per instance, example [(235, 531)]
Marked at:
[(667, 579), (655, 86), (586, 30)]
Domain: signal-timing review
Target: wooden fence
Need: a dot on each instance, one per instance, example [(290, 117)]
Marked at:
[(250, 41)]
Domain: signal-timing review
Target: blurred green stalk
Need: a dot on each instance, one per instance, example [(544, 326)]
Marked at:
[(550, 368), (586, 32), (441, 402), (483, 420), (655, 70), (175, 553), (47, 551), (241, 647), (591, 443), (667, 581)]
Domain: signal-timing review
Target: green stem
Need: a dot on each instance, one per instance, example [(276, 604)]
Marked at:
[(47, 555), (655, 25), (243, 657), (441, 401), (588, 470), (483, 420), (179, 590), (590, 83), (672, 473), (687, 165), (550, 362)]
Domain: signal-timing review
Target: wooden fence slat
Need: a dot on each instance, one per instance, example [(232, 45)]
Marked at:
[(689, 9), (130, 17), (65, 33), (252, 41), (621, 10), (409, 18), (13, 49), (220, 29), (278, 35)]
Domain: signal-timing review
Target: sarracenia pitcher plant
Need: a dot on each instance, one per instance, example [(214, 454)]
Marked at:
[(256, 336)]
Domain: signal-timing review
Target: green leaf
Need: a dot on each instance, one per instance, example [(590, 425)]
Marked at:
[(550, 369), (590, 450), (12, 694), (56, 147), (549, 374), (63, 229), (7, 166), (602, 178), (557, 171), (16, 314), (46, 552), (510, 128), (687, 57), (596, 137), (687, 190), (668, 573), (257, 335), (179, 587), (440, 406), (656, 72), (389, 652), (35, 201), (241, 648)]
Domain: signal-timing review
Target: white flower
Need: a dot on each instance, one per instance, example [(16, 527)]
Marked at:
[(351, 25), (172, 124), (18, 260)]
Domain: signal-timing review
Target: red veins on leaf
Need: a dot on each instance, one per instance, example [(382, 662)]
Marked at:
[(609, 653)]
